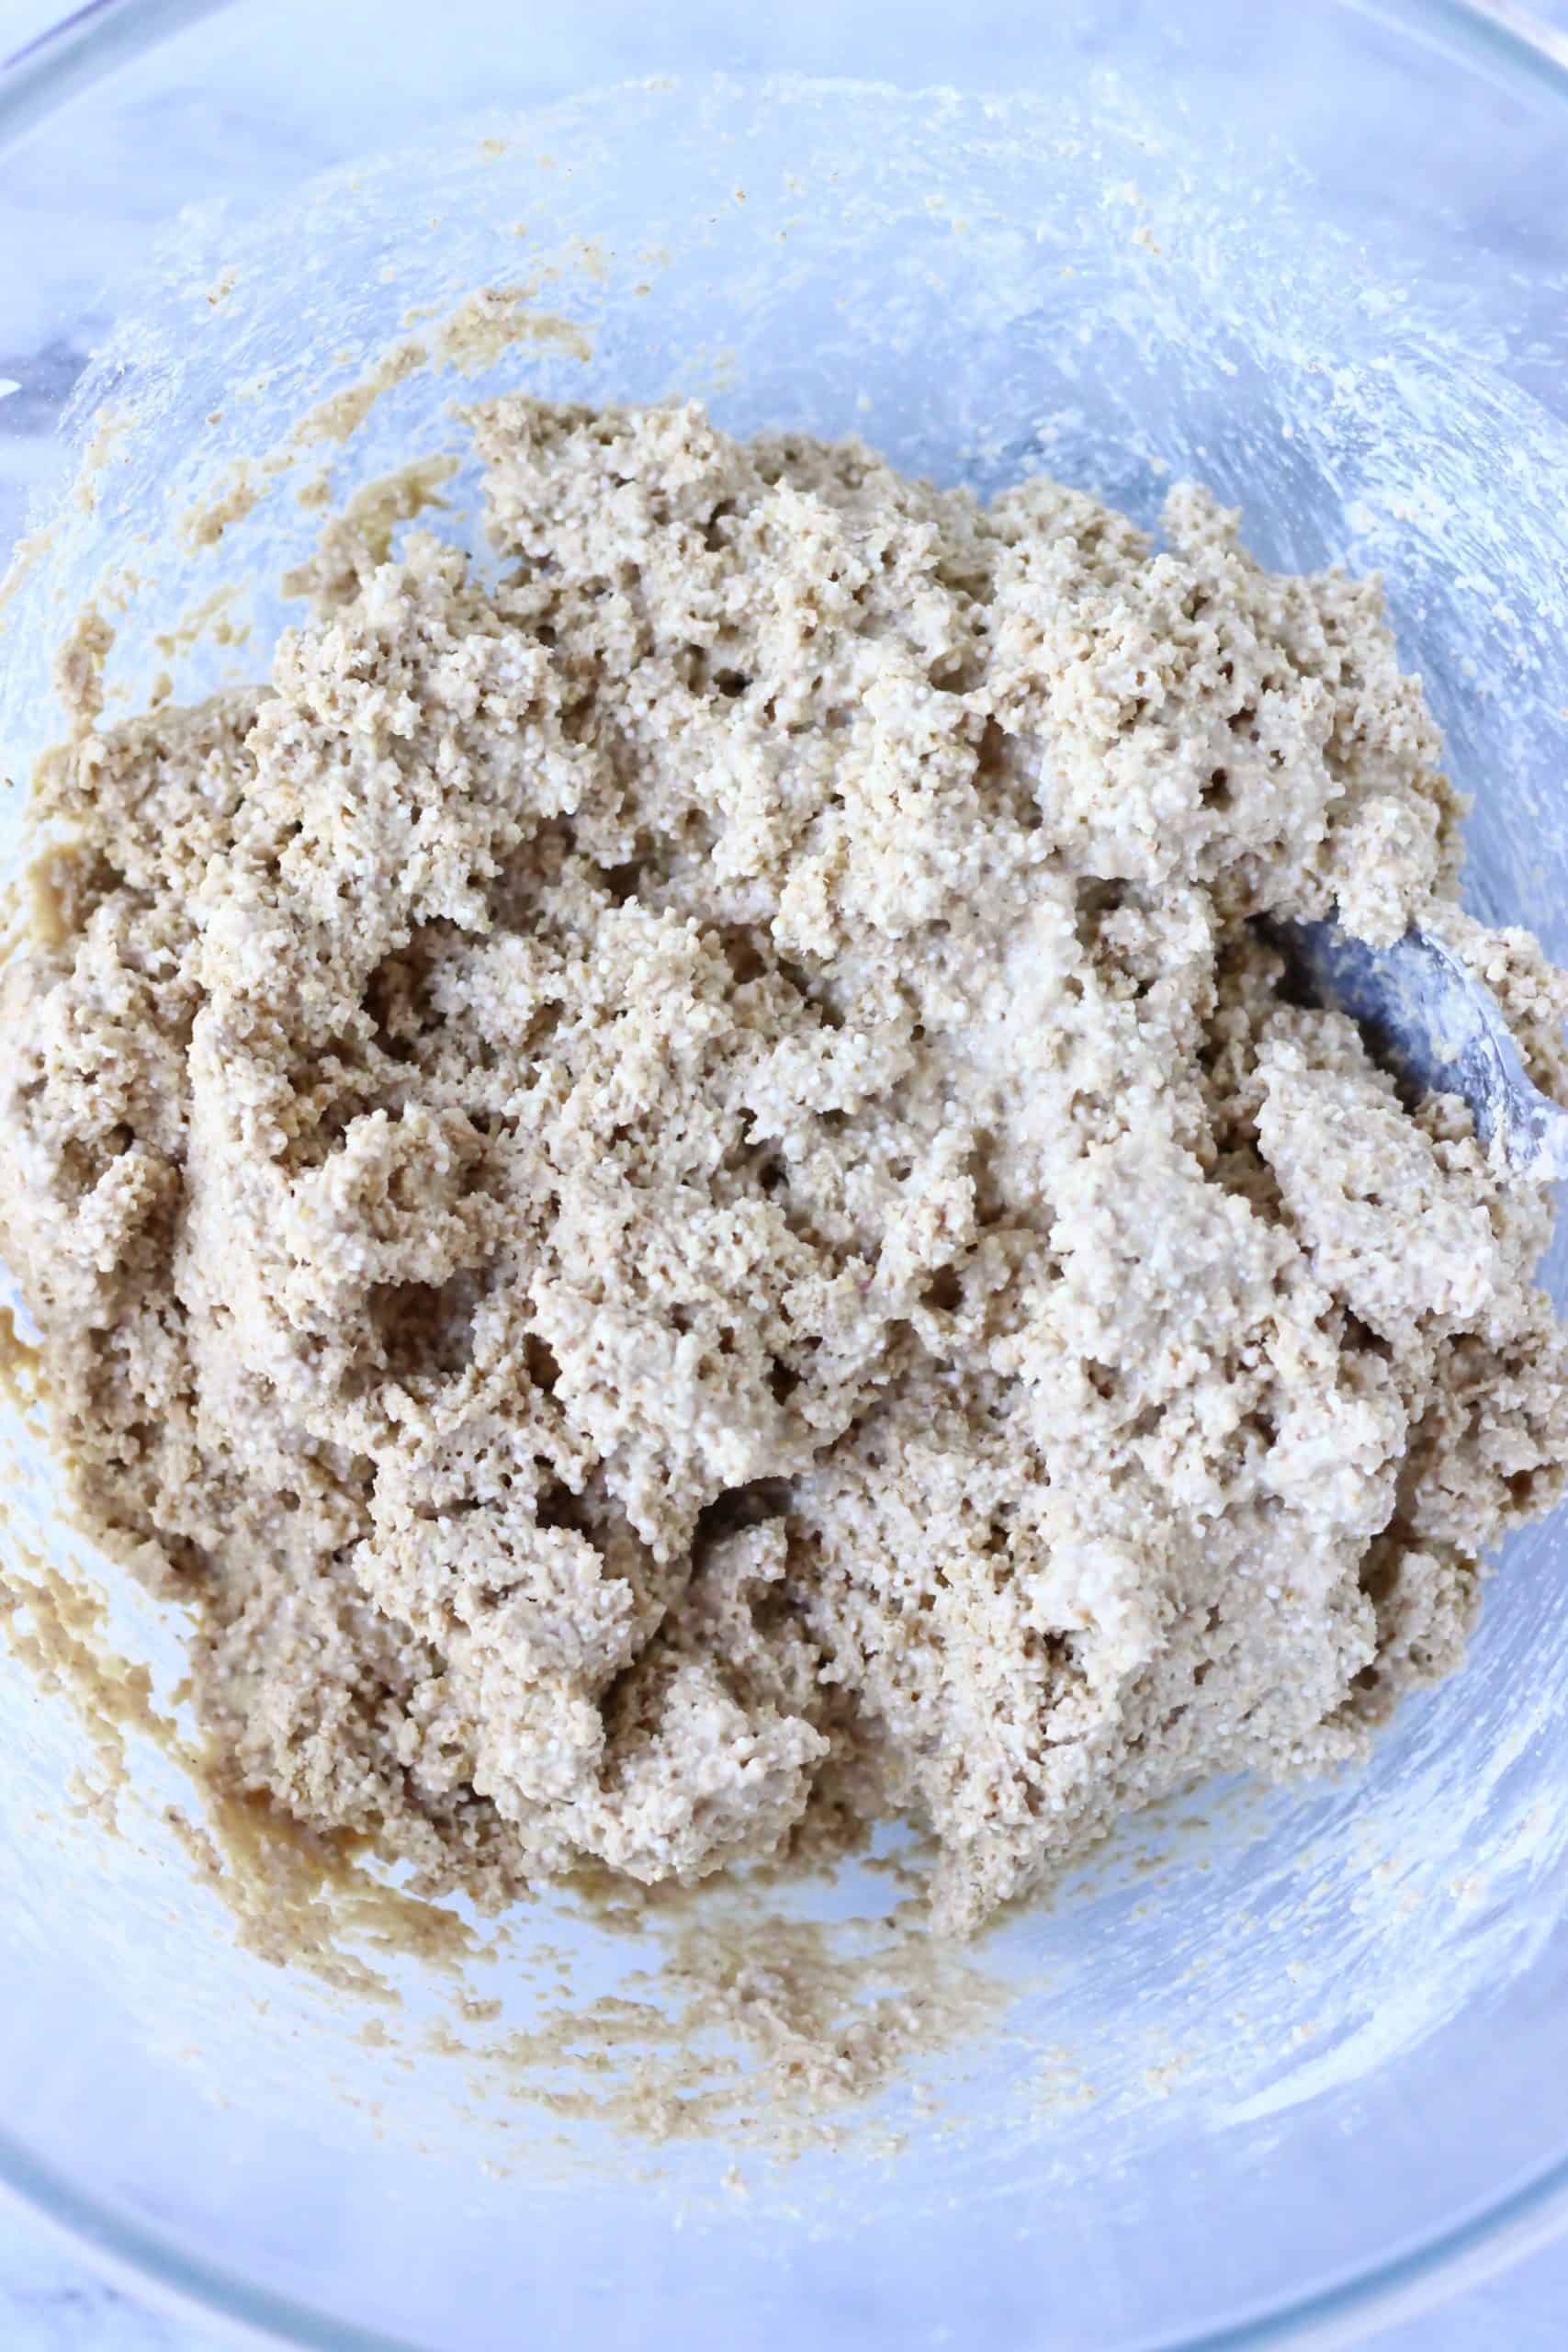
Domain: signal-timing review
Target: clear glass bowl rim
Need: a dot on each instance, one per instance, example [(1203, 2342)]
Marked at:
[(38, 78)]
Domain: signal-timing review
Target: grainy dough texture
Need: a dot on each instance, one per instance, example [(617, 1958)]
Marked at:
[(681, 1198)]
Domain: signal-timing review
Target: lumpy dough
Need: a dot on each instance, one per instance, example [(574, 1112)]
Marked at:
[(681, 1195)]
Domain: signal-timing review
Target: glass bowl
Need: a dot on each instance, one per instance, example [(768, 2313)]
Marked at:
[(1282, 2062)]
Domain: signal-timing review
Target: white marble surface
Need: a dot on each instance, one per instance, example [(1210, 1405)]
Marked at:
[(52, 2300)]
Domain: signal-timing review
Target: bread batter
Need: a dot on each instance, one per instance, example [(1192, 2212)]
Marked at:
[(678, 1196)]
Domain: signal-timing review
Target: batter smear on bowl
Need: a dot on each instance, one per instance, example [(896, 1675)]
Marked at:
[(682, 1193)]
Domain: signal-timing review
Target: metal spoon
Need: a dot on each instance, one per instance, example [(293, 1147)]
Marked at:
[(1429, 1021)]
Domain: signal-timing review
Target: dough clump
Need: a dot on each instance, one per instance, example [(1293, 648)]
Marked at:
[(681, 1197)]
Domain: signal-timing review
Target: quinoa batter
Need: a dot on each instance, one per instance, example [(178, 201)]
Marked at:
[(678, 1196)]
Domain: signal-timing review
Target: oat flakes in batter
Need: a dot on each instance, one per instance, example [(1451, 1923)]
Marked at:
[(679, 1193)]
